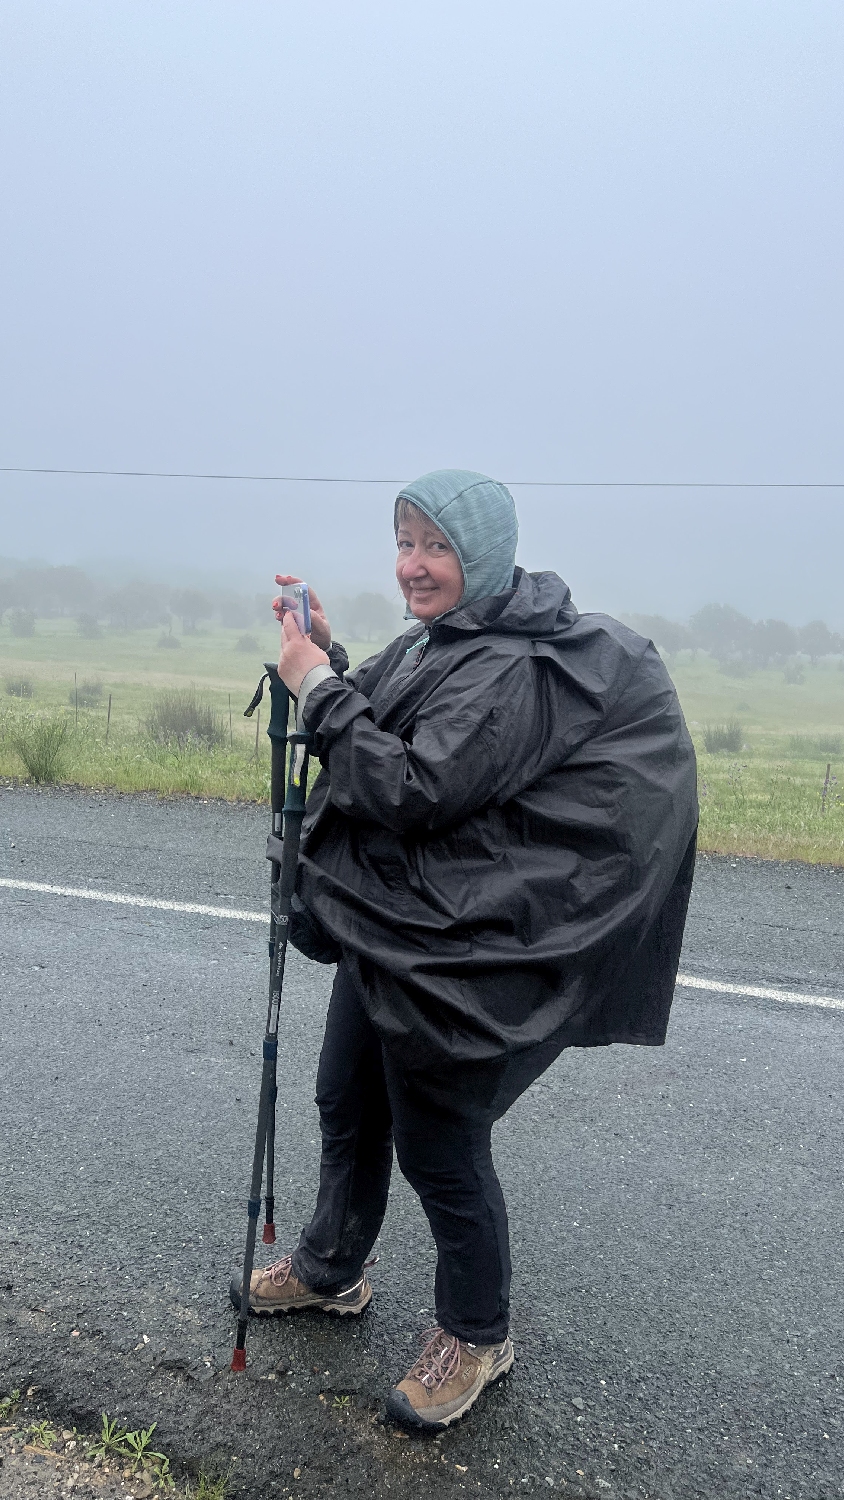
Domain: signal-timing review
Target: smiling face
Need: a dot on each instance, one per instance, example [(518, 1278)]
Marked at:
[(428, 569)]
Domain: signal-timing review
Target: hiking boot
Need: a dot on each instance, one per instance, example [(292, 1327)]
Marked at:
[(447, 1379), (277, 1290)]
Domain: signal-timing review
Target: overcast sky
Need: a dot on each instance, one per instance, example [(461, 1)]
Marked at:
[(580, 241)]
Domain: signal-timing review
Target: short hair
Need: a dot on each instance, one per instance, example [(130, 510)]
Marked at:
[(407, 511)]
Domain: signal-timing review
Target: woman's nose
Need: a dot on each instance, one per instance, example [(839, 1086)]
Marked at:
[(411, 567)]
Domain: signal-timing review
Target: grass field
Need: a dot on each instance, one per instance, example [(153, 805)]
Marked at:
[(763, 797)]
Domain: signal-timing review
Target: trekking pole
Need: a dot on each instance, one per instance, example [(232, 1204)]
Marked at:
[(288, 791)]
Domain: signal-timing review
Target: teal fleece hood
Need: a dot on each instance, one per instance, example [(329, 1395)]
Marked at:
[(478, 516)]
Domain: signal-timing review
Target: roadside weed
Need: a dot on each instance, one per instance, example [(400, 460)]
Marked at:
[(143, 1458), (139, 1447), (179, 718), (116, 1442), (109, 1444), (40, 744), (9, 1404), (207, 1488), (41, 1434), (723, 737)]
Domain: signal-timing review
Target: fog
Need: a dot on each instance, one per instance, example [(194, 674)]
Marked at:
[(565, 241)]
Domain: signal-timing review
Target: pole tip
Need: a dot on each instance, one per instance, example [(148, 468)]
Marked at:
[(268, 1236), (239, 1360)]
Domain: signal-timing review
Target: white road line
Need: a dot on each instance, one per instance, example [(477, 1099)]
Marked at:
[(119, 898), (758, 992)]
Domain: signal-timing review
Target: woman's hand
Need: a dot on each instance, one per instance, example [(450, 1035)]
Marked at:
[(298, 652), (320, 628)]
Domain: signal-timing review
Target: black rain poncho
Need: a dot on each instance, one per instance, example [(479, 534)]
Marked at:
[(501, 841)]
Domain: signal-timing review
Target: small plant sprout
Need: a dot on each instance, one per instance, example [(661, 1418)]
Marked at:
[(342, 1401), (41, 1434), (110, 1443), (140, 1451), (209, 1488), (9, 1404)]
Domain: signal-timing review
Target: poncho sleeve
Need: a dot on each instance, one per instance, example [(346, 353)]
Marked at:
[(467, 738)]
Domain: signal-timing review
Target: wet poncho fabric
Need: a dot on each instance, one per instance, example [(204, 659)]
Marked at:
[(501, 841), (478, 517)]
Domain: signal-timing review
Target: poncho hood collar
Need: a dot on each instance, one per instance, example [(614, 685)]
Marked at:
[(538, 605)]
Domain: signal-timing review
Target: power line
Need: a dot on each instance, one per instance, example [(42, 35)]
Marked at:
[(561, 484)]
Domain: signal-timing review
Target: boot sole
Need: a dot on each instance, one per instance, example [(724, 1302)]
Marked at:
[(400, 1407), (304, 1304)]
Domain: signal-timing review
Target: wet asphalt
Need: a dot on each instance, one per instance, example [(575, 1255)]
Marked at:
[(676, 1213)]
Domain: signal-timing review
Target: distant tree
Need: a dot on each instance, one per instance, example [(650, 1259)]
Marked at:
[(191, 606), (816, 640), (88, 626), (772, 640), (372, 617), (262, 608), (669, 635), (136, 606), (235, 614), (722, 631), (22, 622), (55, 591)]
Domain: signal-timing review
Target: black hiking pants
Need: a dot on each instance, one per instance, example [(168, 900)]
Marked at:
[(366, 1104)]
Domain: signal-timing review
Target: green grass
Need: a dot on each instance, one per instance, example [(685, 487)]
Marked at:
[(764, 798)]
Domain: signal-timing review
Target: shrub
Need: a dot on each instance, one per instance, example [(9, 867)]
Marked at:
[(246, 643), (22, 622), (735, 666), (88, 627), (87, 695), (723, 737), (40, 743), (18, 687), (169, 643), (179, 718), (804, 748), (794, 673)]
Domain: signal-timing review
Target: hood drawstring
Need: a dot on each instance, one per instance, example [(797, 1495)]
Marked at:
[(420, 647)]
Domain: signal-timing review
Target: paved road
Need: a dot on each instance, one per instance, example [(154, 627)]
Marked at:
[(676, 1213)]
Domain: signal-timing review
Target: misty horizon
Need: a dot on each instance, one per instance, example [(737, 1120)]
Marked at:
[(574, 243)]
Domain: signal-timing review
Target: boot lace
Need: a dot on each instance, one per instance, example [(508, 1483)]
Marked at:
[(439, 1360), (280, 1272)]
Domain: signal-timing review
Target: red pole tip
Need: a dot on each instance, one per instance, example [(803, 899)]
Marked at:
[(239, 1360), (269, 1234)]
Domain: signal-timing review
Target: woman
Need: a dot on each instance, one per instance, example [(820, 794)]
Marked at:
[(498, 854)]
